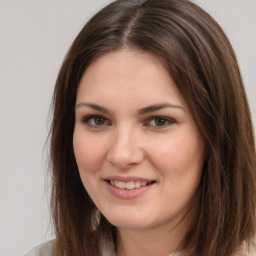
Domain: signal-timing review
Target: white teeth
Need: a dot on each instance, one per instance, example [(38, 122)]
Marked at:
[(137, 184), (129, 184), (120, 184), (143, 183)]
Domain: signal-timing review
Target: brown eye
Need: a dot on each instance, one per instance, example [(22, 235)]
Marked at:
[(99, 120), (160, 122), (95, 121)]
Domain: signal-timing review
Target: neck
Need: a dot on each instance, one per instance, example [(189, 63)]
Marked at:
[(160, 240)]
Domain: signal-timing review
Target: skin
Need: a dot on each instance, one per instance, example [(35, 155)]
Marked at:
[(131, 140)]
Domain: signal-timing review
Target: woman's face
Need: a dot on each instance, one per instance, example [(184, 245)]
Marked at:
[(137, 146)]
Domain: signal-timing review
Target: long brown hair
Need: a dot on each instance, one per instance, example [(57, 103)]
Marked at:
[(202, 62)]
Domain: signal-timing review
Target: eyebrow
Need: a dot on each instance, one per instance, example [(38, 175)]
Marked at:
[(156, 107), (141, 111), (93, 106)]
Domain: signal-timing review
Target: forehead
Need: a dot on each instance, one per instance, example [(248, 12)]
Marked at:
[(126, 74), (127, 62)]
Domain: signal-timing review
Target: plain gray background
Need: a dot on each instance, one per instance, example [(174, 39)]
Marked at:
[(34, 37)]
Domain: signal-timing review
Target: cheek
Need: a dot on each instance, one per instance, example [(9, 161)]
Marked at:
[(178, 155), (89, 152)]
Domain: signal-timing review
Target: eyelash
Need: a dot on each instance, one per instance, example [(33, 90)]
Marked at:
[(92, 118), (87, 120), (167, 121)]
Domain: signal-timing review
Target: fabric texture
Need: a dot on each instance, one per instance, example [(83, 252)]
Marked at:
[(47, 249)]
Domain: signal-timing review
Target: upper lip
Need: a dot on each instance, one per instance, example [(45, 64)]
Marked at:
[(128, 178)]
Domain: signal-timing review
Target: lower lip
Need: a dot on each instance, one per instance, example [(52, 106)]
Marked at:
[(127, 193)]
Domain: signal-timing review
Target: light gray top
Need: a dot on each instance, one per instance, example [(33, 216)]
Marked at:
[(47, 249)]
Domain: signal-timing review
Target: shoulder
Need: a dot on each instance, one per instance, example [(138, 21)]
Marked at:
[(247, 250), (45, 249)]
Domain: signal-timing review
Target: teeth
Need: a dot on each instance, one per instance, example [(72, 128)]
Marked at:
[(129, 184), (120, 184), (137, 184)]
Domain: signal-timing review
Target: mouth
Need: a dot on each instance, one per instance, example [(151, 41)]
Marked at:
[(133, 184), (127, 188)]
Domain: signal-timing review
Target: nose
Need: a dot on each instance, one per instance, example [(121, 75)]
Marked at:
[(126, 149)]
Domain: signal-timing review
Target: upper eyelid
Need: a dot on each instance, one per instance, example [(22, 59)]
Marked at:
[(149, 117), (161, 116), (170, 123), (91, 116), (87, 117), (164, 117)]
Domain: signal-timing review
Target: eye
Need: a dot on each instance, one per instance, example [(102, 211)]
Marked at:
[(160, 122), (95, 121)]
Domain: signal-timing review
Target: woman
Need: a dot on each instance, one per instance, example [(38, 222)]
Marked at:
[(152, 143)]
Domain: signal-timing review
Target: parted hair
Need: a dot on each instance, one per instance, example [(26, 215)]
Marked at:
[(203, 65)]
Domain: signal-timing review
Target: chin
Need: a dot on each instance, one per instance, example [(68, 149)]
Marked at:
[(128, 224), (128, 221)]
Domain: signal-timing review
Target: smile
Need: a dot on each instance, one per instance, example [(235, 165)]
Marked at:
[(128, 188), (130, 184)]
